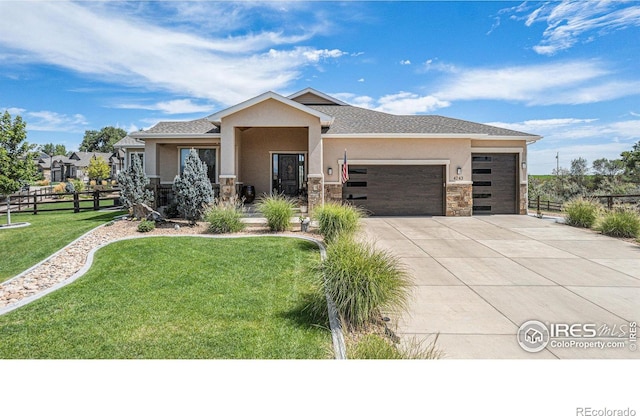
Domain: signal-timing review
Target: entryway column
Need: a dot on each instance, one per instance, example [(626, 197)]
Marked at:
[(315, 191), (227, 163)]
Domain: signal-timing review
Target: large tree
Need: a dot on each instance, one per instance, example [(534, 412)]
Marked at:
[(16, 157), (101, 141), (53, 149)]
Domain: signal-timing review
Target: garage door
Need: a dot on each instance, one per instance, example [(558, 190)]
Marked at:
[(495, 180), (396, 189)]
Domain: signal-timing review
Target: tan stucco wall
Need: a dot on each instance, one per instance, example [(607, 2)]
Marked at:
[(269, 113), (166, 163), (458, 151), (255, 157)]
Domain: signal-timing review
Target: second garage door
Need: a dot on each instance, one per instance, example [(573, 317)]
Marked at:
[(495, 179), (396, 189)]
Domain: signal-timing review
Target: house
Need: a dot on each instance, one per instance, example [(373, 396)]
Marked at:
[(297, 145), (61, 168)]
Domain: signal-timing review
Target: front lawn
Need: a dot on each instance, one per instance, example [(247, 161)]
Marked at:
[(177, 297), (23, 247)]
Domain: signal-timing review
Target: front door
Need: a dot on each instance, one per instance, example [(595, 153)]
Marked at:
[(288, 175)]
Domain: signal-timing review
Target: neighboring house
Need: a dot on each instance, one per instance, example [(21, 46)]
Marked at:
[(61, 168), (397, 165), (128, 146)]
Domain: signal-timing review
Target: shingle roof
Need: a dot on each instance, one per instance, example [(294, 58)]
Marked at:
[(199, 126), (128, 141), (354, 120)]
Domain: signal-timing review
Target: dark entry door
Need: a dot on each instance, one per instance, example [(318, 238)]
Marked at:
[(288, 178)]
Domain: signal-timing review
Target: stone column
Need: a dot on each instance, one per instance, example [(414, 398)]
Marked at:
[(333, 192), (459, 197), (524, 199), (315, 191), (227, 187)]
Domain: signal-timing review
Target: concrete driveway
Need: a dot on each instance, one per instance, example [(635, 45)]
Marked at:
[(478, 279)]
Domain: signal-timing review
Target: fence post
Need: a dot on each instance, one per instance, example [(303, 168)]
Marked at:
[(610, 202), (96, 200), (35, 203), (76, 202)]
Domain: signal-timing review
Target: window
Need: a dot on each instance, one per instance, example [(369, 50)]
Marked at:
[(207, 155), (481, 171)]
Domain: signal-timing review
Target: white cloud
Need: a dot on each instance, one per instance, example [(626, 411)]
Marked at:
[(52, 121), (573, 137), (133, 51), (182, 106), (571, 82), (405, 62), (570, 21), (361, 80), (406, 103)]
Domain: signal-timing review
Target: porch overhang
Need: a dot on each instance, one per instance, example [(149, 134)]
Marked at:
[(216, 118)]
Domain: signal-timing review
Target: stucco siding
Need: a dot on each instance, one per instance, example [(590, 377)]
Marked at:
[(456, 151), (255, 157)]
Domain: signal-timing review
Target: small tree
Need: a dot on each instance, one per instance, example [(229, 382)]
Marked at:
[(193, 188), (98, 169), (16, 157), (133, 183)]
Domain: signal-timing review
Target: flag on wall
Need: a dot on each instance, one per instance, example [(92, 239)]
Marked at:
[(345, 168)]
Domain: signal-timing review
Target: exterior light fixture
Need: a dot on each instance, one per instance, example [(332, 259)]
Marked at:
[(330, 171), (459, 170), (524, 165)]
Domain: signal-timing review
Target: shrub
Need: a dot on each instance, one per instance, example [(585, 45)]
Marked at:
[(59, 188), (363, 281), (193, 188), (145, 226), (225, 217), (580, 212), (133, 182), (620, 223), (78, 185), (337, 219), (278, 210), (68, 187), (43, 182), (376, 346)]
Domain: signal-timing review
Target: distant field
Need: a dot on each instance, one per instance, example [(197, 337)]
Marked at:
[(542, 177)]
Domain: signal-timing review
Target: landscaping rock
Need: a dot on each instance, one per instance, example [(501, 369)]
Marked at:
[(145, 211)]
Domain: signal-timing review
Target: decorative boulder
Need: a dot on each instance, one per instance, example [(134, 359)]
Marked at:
[(145, 211)]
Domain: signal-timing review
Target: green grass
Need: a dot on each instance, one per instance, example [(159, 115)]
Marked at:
[(23, 247), (177, 297)]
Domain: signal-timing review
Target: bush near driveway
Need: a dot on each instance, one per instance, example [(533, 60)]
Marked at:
[(581, 212), (363, 281), (623, 223), (225, 217), (336, 219)]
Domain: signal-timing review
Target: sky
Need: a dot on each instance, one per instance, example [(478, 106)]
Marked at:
[(566, 70)]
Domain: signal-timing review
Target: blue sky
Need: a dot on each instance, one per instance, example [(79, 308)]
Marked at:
[(566, 70)]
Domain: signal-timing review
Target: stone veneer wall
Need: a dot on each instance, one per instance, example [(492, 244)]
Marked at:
[(333, 192), (524, 201), (459, 200), (315, 192), (227, 188)]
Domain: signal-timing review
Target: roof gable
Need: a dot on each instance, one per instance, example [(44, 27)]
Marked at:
[(309, 96), (325, 119)]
